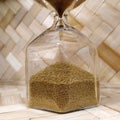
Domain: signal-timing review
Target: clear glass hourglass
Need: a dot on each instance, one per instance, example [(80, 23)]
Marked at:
[(61, 65)]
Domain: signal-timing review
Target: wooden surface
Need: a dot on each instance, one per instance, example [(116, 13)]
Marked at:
[(12, 106)]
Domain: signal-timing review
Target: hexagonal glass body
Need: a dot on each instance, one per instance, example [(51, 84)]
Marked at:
[(61, 69)]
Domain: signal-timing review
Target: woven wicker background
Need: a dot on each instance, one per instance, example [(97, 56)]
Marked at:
[(22, 20)]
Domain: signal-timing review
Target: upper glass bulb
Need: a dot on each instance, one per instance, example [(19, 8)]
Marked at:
[(61, 5)]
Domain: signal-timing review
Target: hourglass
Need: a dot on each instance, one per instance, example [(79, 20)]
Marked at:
[(61, 65)]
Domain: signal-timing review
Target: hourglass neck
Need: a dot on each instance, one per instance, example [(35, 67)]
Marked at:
[(60, 22)]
